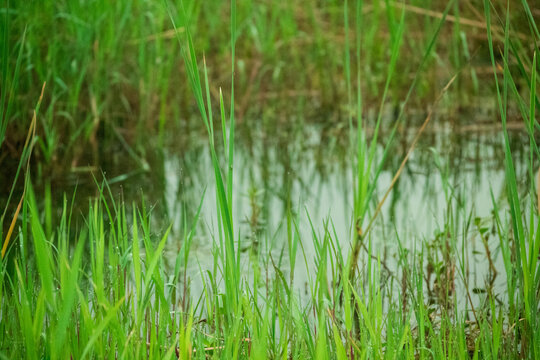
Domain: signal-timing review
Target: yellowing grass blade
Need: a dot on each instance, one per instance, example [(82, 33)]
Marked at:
[(27, 145)]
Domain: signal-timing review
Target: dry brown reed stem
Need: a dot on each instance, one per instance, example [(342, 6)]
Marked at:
[(439, 15), (166, 35), (409, 152), (359, 243), (453, 19), (402, 166), (28, 144)]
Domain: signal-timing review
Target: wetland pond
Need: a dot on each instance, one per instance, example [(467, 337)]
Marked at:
[(264, 179), (449, 184)]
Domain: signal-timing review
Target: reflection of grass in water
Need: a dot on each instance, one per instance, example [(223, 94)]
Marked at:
[(120, 301), (115, 74)]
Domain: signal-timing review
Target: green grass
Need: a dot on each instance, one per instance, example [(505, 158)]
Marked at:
[(114, 72), (100, 285)]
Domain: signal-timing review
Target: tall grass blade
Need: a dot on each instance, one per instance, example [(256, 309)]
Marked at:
[(27, 152)]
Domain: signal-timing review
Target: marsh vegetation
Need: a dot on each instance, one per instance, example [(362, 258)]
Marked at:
[(266, 179)]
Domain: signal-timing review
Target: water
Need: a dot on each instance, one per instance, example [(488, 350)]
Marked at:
[(453, 175)]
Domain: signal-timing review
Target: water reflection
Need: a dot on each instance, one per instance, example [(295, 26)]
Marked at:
[(449, 180), (447, 186)]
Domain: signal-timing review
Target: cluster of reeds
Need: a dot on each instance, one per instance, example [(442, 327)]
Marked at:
[(99, 287), (115, 74)]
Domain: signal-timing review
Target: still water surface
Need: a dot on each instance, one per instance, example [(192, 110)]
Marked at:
[(450, 181), (449, 184)]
